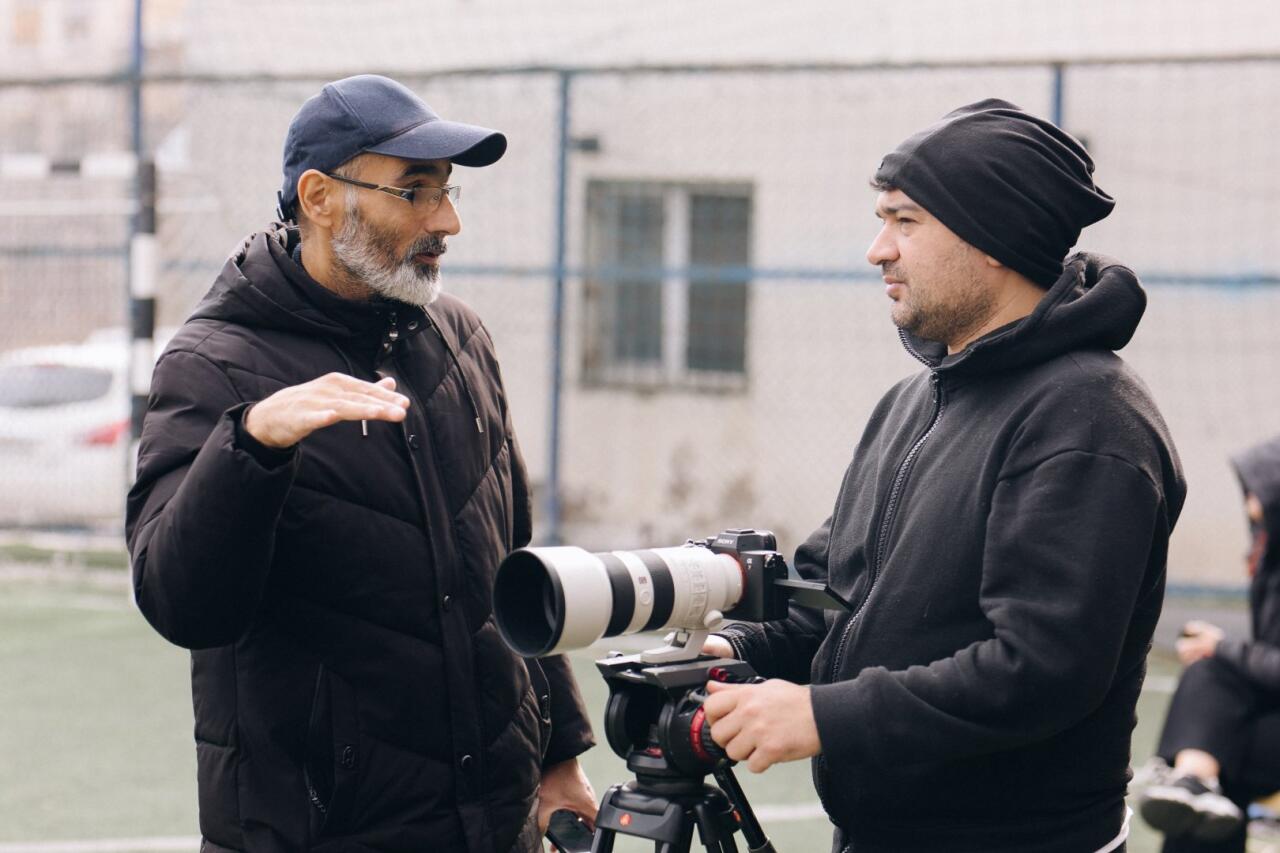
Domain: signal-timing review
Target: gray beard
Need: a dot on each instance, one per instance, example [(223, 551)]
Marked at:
[(363, 255)]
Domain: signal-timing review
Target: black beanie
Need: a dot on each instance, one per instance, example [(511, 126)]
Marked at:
[(1006, 182)]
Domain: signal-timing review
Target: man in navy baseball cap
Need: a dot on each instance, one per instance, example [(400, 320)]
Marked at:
[(327, 481)]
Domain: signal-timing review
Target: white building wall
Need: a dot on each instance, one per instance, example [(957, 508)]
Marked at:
[(643, 467), (1185, 149), (1171, 142)]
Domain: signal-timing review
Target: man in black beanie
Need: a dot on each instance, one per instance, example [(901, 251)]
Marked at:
[(1002, 529)]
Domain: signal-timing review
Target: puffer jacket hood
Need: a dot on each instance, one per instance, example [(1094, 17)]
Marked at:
[(1096, 304), (262, 286)]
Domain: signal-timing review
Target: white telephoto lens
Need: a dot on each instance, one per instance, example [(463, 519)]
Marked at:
[(551, 600)]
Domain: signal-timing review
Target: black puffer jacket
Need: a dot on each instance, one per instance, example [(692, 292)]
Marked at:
[(1002, 530), (1258, 659), (351, 691)]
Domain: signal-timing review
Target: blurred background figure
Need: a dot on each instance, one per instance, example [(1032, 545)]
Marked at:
[(1220, 747)]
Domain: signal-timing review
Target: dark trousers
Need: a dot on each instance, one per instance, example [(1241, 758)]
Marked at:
[(1217, 710)]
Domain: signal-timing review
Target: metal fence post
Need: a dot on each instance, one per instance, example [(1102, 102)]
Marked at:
[(143, 264), (142, 256), (1059, 84), (557, 314)]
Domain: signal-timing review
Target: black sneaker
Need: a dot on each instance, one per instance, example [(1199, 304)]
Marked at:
[(1185, 805)]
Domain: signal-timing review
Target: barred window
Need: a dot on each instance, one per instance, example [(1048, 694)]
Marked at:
[(666, 284)]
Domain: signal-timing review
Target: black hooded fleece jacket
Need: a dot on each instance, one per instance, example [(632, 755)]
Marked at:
[(351, 690), (1002, 532)]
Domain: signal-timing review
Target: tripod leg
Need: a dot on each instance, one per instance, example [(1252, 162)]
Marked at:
[(602, 842), (728, 827), (757, 841), (716, 836)]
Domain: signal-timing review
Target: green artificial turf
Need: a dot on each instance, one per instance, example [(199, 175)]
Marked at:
[(95, 729)]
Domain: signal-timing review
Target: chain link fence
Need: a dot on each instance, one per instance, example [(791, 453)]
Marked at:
[(724, 339)]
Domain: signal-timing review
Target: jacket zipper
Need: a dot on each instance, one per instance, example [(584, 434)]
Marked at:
[(882, 543), (420, 482), (891, 509), (388, 349), (393, 331)]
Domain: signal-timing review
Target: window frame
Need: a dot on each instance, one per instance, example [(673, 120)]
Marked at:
[(672, 371)]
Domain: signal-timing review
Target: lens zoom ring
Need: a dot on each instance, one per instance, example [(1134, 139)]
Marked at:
[(664, 589), (624, 594)]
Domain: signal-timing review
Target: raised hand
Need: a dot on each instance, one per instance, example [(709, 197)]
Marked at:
[(291, 414)]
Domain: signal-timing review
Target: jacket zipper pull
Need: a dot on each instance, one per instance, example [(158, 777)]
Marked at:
[(393, 334), (364, 425)]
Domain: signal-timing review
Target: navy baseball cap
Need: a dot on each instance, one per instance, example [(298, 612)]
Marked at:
[(377, 115)]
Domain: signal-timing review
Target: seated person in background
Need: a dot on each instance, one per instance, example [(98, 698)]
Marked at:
[(1222, 732)]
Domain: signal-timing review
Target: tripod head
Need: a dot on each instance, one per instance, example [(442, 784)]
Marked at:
[(654, 719)]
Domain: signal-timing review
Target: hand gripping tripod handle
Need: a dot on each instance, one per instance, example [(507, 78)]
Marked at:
[(752, 832)]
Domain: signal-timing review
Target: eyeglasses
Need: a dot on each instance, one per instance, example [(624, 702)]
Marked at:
[(424, 199)]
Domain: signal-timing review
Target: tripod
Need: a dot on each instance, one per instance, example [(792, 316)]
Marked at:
[(653, 719), (668, 817)]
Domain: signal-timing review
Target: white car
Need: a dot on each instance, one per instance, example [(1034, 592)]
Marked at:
[(64, 433)]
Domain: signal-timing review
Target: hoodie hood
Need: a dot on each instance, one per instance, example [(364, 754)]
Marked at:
[(1259, 471), (1095, 304)]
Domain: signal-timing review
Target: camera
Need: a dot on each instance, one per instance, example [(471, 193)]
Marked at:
[(554, 599)]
